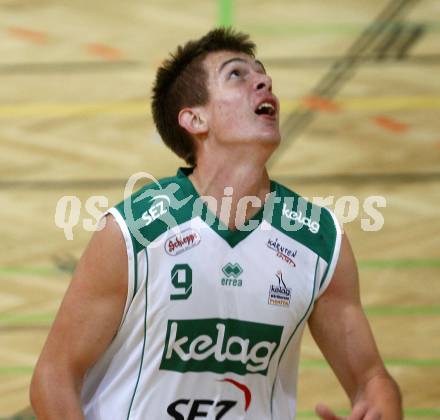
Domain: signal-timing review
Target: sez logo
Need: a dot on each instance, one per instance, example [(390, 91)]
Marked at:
[(181, 242), (159, 208), (187, 409)]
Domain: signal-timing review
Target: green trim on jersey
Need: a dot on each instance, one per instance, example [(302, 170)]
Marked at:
[(328, 268), (293, 333), (319, 218), (151, 214), (232, 237), (143, 341), (145, 200), (135, 286), (183, 204), (156, 208)]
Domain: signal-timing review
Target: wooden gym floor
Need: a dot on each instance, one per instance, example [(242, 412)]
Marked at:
[(75, 121)]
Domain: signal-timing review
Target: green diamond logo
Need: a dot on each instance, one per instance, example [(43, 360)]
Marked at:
[(232, 270)]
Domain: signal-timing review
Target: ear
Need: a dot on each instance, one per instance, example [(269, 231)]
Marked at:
[(193, 121)]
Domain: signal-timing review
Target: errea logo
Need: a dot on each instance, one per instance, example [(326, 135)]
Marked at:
[(233, 270), (232, 273), (220, 346)]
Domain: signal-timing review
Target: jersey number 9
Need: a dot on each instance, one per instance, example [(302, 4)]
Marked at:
[(181, 279)]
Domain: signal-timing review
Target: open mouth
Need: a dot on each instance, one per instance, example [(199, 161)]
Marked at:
[(266, 108)]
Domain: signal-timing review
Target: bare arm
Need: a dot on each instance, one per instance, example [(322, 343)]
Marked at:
[(86, 322), (340, 328)]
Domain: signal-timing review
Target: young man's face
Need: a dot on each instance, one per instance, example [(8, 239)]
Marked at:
[(241, 105)]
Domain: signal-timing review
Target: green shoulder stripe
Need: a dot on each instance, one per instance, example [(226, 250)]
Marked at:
[(154, 209), (311, 225)]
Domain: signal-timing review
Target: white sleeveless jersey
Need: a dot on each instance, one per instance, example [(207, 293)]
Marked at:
[(214, 318)]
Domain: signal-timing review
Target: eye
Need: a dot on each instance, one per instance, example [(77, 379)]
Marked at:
[(235, 73)]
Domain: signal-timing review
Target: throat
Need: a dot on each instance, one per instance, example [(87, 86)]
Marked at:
[(233, 201)]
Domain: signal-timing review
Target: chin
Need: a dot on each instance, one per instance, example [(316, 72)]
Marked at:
[(274, 139)]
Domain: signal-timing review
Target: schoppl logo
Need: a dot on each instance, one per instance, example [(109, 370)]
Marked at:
[(220, 346), (182, 242)]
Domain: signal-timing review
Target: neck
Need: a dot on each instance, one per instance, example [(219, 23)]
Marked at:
[(243, 174)]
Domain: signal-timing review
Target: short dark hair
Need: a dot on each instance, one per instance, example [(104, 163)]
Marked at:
[(182, 81)]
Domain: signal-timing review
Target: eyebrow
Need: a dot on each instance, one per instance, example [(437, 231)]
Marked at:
[(231, 60)]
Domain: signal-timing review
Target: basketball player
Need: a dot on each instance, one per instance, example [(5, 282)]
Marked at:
[(192, 301)]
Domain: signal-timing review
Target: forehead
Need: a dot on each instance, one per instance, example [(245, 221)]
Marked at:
[(214, 61)]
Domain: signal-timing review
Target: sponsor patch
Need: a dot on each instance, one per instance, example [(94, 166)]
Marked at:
[(190, 408), (159, 207), (279, 294), (232, 273), (181, 242), (297, 216), (220, 345), (282, 252)]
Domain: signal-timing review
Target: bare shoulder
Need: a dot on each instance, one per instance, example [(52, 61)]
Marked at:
[(344, 285), (93, 305), (104, 262)]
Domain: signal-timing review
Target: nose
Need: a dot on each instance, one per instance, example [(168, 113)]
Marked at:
[(263, 81)]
